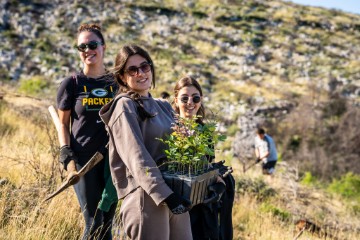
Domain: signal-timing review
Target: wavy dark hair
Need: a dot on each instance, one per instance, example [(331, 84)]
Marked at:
[(118, 71), (94, 28), (186, 82), (121, 59)]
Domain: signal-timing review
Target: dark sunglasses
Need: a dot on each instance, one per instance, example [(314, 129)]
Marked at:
[(132, 71), (92, 45), (195, 99)]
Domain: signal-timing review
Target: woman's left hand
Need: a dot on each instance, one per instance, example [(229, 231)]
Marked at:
[(217, 191)]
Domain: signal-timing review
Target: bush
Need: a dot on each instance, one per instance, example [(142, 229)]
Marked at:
[(4, 74), (356, 208), (347, 186), (44, 45), (256, 188), (232, 130), (336, 107), (33, 86), (309, 180), (277, 212)]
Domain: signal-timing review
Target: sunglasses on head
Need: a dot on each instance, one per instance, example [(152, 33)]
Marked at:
[(92, 45), (195, 99), (132, 70)]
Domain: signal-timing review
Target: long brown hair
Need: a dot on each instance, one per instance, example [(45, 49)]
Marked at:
[(186, 82), (122, 57)]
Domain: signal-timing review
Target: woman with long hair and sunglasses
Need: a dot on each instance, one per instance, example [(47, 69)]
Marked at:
[(82, 132), (210, 220), (135, 121)]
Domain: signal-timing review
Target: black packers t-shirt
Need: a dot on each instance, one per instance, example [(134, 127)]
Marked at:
[(84, 96)]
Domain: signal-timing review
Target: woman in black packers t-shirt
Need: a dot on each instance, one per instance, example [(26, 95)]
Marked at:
[(79, 100)]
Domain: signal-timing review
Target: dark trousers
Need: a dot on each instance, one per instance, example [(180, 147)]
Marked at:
[(214, 221), (88, 191), (204, 222)]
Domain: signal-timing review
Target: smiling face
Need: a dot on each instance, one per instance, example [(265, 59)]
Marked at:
[(141, 81), (91, 57), (188, 109)]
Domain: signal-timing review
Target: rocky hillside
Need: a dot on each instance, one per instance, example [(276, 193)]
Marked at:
[(257, 60), (248, 46)]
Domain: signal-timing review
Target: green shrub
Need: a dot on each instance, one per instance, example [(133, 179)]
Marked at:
[(44, 45), (295, 142), (12, 35), (335, 107), (226, 145), (309, 180), (232, 129), (356, 208), (255, 187), (347, 186), (283, 215), (4, 74), (33, 86)]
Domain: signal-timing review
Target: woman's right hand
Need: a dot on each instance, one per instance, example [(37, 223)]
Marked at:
[(67, 155)]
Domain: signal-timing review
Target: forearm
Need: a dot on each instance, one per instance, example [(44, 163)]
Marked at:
[(257, 153), (264, 156), (64, 128), (64, 135), (67, 156)]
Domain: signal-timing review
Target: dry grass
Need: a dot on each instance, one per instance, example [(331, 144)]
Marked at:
[(28, 154), (256, 216), (24, 216), (28, 173), (251, 223)]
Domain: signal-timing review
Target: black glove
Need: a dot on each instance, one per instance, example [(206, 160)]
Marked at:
[(66, 155), (223, 170), (218, 164), (216, 191), (177, 204), (258, 160)]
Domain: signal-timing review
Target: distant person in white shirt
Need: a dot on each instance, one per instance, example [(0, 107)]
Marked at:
[(265, 151)]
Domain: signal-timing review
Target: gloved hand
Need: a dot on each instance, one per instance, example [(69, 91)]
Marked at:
[(66, 155), (223, 170), (258, 160), (177, 204), (216, 191), (219, 164)]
